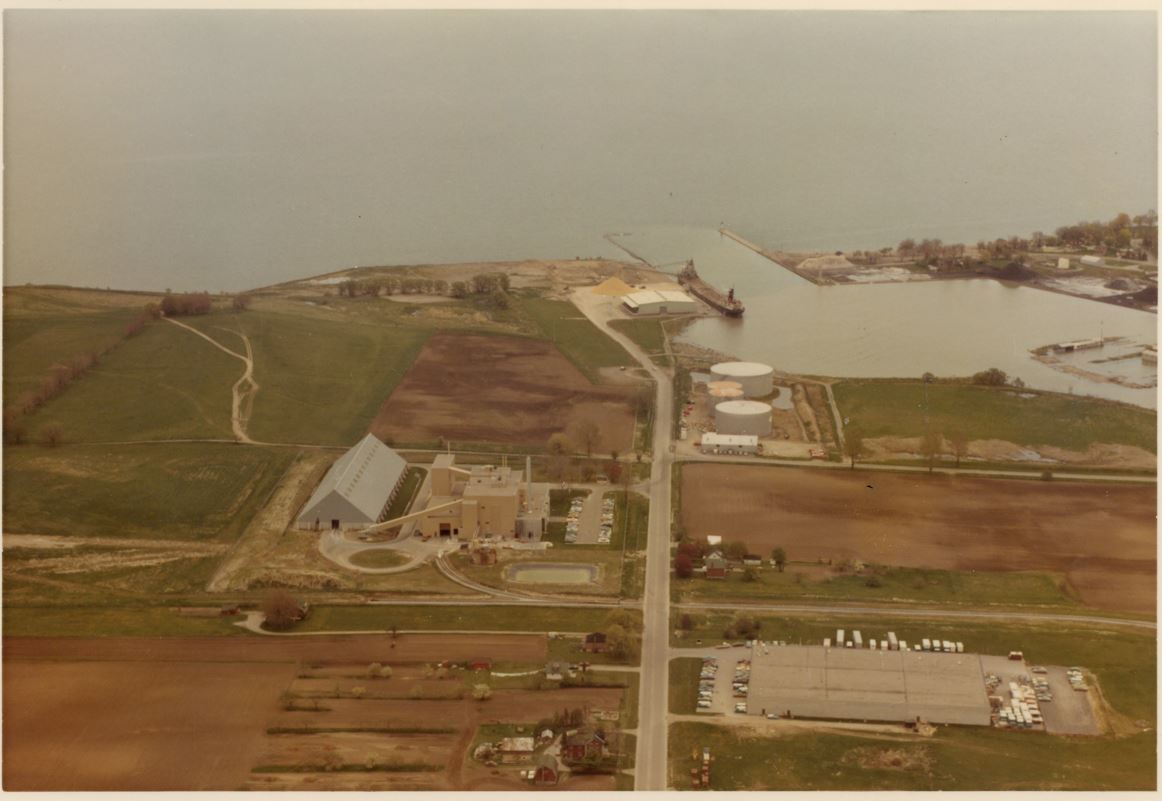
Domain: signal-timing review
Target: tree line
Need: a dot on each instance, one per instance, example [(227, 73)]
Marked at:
[(481, 284)]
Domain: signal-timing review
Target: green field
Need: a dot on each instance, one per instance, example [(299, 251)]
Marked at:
[(890, 585), (195, 491), (884, 408), (165, 383), (630, 522), (953, 759), (379, 558), (321, 381), (145, 621), (33, 343), (646, 333), (560, 500), (453, 618), (582, 342), (685, 672)]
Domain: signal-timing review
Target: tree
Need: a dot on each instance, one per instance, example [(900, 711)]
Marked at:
[(931, 446), (624, 618), (52, 435), (385, 672), (585, 433), (620, 643), (458, 289), (779, 557), (683, 566), (373, 669), (736, 550), (481, 692), (241, 302), (280, 610), (853, 444), (558, 445), (992, 377), (750, 574), (358, 692), (959, 442), (612, 471), (687, 622), (14, 428)]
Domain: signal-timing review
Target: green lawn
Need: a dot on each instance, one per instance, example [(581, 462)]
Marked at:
[(89, 621), (1123, 659), (165, 383), (953, 759), (685, 672), (560, 499), (630, 522), (890, 585), (900, 409), (379, 558), (456, 618), (646, 333), (33, 343), (582, 342), (195, 491), (321, 381)]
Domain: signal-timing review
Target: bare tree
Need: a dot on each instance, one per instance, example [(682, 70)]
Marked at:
[(585, 433), (52, 434), (853, 444), (959, 442), (280, 610), (931, 447)]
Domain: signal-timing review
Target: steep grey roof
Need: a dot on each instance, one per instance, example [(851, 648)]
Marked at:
[(363, 477)]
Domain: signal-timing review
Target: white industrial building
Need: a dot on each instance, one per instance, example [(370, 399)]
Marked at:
[(756, 379), (743, 417), (729, 443), (358, 488), (659, 301), (1093, 261)]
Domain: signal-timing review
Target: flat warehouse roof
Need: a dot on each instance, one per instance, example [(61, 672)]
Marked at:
[(856, 684)]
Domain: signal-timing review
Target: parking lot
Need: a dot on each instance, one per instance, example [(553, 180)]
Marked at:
[(589, 520)]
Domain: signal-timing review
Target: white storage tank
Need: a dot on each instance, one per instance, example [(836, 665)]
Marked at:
[(743, 417), (757, 379)]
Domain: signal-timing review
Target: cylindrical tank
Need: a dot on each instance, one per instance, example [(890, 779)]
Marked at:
[(712, 385), (743, 417), (726, 393), (756, 378)]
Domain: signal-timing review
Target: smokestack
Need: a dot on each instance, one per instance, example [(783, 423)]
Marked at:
[(528, 482)]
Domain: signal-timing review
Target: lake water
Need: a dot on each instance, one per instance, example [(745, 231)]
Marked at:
[(949, 328)]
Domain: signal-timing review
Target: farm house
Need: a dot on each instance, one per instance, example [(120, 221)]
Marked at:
[(358, 488)]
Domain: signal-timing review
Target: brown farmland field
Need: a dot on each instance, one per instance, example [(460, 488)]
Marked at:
[(479, 388), (136, 725), (1100, 536)]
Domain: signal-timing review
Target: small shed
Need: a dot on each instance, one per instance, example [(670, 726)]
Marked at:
[(594, 643), (514, 749), (548, 770)]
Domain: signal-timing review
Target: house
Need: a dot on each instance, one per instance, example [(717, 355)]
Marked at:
[(715, 566), (357, 490), (594, 643), (480, 663), (514, 749), (583, 743), (548, 770)]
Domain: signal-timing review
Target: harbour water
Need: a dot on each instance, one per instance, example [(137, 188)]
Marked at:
[(948, 328)]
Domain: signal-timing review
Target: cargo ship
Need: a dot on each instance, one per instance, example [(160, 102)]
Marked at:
[(728, 304)]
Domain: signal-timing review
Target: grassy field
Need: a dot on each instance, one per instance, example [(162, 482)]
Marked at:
[(165, 383), (89, 621), (630, 522), (1123, 659), (646, 333), (205, 492), (582, 342), (886, 585), (900, 408), (684, 674), (453, 618), (953, 759), (321, 381), (34, 342), (376, 559)]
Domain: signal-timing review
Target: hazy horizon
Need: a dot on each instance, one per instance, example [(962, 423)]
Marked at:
[(226, 149)]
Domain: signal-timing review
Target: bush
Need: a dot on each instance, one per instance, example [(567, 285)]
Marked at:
[(683, 566), (481, 692), (373, 669), (873, 582), (385, 672)]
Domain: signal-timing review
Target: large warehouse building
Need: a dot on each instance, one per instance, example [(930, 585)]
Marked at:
[(855, 684), (665, 301), (358, 488)]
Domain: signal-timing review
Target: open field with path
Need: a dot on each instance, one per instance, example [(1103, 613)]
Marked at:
[(483, 388), (1101, 538)]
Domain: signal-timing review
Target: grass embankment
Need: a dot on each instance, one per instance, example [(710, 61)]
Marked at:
[(582, 342), (630, 520), (321, 381), (685, 672), (903, 585), (648, 334), (453, 618), (378, 559), (187, 491), (888, 408), (407, 493), (953, 759), (113, 621)]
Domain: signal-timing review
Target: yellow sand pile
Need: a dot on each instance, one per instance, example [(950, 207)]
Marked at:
[(613, 286)]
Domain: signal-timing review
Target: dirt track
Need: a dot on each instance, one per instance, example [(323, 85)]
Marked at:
[(1101, 537), (475, 388), (339, 648)]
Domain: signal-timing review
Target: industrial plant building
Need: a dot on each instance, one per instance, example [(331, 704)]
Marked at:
[(755, 379), (483, 501), (665, 301), (357, 490)]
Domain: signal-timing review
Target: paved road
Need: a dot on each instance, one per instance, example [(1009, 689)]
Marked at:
[(650, 772)]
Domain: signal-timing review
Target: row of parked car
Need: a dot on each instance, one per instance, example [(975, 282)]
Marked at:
[(706, 682), (606, 532), (572, 522), (741, 684)]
